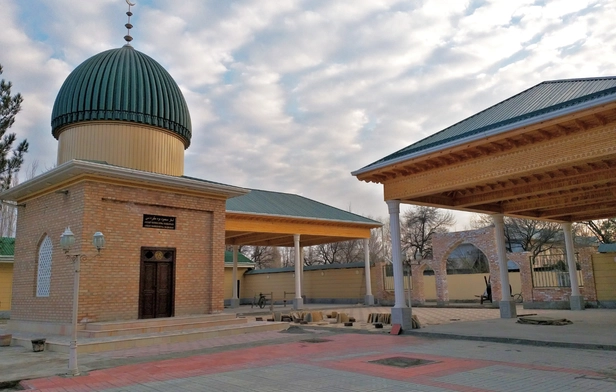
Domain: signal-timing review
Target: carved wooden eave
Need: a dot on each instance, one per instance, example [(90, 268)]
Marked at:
[(273, 230), (562, 169)]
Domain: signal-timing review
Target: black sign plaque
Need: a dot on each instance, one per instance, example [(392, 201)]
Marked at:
[(159, 222)]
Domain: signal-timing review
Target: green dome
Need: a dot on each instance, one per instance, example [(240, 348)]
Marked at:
[(122, 85)]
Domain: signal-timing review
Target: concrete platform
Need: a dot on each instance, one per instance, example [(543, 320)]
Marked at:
[(121, 335), (590, 329)]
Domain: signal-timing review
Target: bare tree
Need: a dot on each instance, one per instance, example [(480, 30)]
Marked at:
[(418, 226), (531, 235), (311, 256), (384, 241), (479, 221), (352, 251), (376, 246), (287, 256), (330, 253), (467, 259), (603, 229), (262, 256), (527, 235)]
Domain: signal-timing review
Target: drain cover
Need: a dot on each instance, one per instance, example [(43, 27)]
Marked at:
[(315, 340), (402, 362)]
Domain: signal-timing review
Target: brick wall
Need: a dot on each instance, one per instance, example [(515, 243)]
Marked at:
[(553, 295), (444, 244), (109, 288), (485, 240)]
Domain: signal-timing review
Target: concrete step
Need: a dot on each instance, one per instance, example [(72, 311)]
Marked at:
[(112, 343), (106, 325), (134, 327)]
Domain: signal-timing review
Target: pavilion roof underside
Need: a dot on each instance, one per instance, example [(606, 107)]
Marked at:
[(260, 230), (562, 169)]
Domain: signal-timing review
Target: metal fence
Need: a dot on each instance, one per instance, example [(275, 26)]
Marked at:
[(551, 270), (388, 277)]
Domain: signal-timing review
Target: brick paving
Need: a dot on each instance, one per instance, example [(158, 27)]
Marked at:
[(316, 358), (345, 362)]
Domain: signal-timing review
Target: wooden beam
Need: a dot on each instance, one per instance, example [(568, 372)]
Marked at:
[(595, 144), (254, 238), (564, 124), (573, 199), (589, 208), (537, 187)]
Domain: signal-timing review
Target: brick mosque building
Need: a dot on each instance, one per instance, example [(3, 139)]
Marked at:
[(122, 126)]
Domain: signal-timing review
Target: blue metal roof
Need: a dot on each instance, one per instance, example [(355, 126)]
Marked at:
[(290, 205), (542, 99), (607, 248)]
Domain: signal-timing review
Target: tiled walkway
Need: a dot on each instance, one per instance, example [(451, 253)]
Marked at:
[(326, 361)]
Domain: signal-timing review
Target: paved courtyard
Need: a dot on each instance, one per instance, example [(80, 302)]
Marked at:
[(326, 361), (318, 358)]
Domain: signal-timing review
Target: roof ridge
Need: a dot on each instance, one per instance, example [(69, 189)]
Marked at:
[(409, 147), (290, 208), (442, 136), (586, 79)]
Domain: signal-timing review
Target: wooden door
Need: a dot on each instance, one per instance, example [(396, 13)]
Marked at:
[(156, 295)]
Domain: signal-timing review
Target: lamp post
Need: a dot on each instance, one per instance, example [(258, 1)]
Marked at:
[(67, 240)]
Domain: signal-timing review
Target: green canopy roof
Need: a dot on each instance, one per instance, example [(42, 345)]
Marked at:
[(241, 259), (290, 205), (7, 246), (122, 85), (547, 99)]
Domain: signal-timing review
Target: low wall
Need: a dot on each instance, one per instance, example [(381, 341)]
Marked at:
[(559, 297), (6, 286), (229, 282), (332, 284), (465, 287), (604, 268)]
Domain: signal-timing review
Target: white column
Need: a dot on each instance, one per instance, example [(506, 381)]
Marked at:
[(506, 305), (576, 300), (369, 298), (400, 313), (298, 301), (235, 300), (301, 277), (396, 252)]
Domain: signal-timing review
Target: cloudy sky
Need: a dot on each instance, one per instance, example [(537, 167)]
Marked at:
[(293, 95)]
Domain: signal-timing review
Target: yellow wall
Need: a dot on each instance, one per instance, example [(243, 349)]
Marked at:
[(604, 266), (277, 283), (344, 283), (335, 283), (6, 285), (132, 145), (229, 279), (466, 286)]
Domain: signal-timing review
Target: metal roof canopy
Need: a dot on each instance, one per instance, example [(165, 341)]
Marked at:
[(253, 217), (547, 153), (266, 218)]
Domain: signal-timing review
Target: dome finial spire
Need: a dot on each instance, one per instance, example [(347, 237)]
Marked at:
[(129, 26)]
